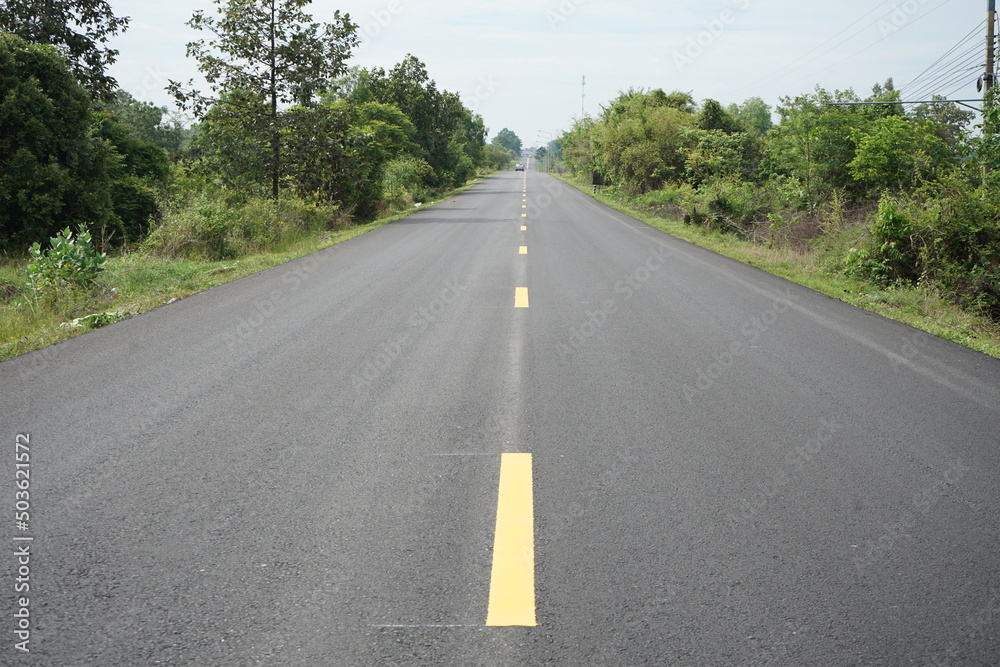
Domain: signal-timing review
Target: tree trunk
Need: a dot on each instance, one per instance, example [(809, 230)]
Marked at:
[(275, 136)]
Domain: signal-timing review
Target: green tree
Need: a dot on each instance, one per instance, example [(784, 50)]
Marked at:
[(896, 153), (80, 30), (641, 140), (507, 139), (270, 46), (145, 122), (951, 122), (813, 145), (497, 157), (138, 171), (53, 173), (713, 117), (754, 113), (451, 137)]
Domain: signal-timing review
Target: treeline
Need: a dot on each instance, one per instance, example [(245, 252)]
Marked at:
[(288, 139), (893, 194)]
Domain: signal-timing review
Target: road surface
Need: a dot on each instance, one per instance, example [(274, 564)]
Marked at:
[(705, 464)]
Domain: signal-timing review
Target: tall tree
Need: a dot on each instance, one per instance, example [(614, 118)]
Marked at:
[(507, 139), (78, 28), (53, 173), (270, 46)]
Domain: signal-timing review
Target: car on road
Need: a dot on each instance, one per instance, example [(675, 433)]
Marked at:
[(519, 167)]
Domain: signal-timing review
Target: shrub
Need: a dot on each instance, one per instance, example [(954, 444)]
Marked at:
[(69, 260), (894, 252), (209, 227)]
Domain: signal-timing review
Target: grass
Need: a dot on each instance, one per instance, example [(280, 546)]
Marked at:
[(921, 307), (134, 283)]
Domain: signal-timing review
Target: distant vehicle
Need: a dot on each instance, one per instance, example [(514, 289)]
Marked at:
[(519, 167)]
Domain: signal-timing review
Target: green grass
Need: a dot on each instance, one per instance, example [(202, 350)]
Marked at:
[(921, 307), (135, 283)]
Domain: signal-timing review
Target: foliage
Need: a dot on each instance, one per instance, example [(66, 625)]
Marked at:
[(78, 28), (642, 140), (138, 170), (69, 260), (53, 171), (97, 320), (894, 253), (507, 139), (208, 225), (497, 157), (450, 138), (896, 153), (146, 122), (754, 114), (273, 49)]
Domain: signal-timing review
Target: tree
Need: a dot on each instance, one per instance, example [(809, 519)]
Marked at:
[(950, 121), (507, 139), (78, 28), (896, 153), (754, 113), (53, 173), (270, 46), (713, 117), (451, 137), (144, 122)]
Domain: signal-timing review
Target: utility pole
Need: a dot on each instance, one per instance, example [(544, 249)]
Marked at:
[(991, 21)]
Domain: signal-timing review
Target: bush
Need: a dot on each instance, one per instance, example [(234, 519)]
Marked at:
[(210, 228), (962, 252), (69, 261), (894, 252)]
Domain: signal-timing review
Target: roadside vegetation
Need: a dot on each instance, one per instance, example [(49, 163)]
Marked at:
[(110, 205), (892, 209)]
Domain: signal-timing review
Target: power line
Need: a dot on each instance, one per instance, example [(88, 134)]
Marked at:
[(972, 52), (974, 33), (799, 62), (858, 53), (968, 60)]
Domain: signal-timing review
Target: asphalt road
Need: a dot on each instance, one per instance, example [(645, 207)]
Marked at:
[(302, 467)]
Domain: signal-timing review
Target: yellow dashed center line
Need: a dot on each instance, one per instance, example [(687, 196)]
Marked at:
[(512, 581), (523, 250), (524, 228), (520, 297)]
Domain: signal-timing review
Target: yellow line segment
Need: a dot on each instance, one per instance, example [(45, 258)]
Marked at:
[(512, 582), (520, 297), (523, 250), (524, 228)]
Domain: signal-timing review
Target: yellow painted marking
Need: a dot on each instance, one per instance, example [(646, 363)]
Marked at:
[(524, 206), (512, 581), (523, 250), (524, 228), (521, 297), (524, 215)]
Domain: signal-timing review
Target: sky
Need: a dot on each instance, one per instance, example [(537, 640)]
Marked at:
[(521, 63)]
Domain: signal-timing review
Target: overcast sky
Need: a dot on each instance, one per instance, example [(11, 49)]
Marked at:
[(520, 63)]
